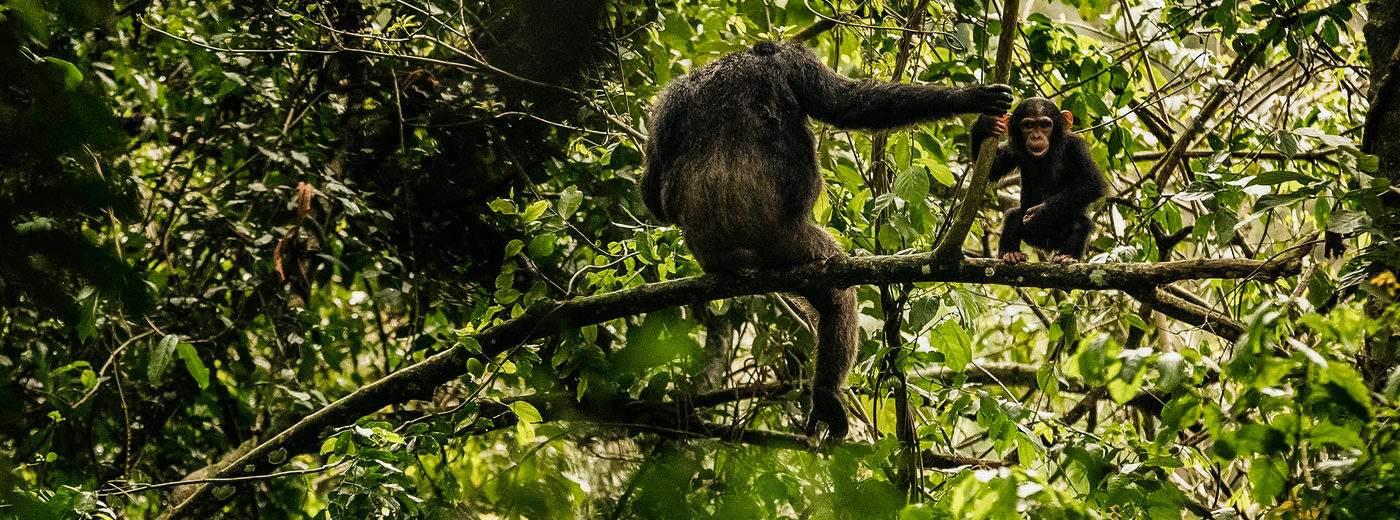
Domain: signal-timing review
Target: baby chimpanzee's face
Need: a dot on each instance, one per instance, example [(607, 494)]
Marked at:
[(1036, 130), (1035, 126)]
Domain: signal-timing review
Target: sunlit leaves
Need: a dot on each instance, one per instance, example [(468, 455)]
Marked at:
[(72, 77), (193, 364), (1172, 370), (662, 337), (542, 246), (534, 210), (569, 201), (1131, 372), (218, 139), (953, 342), (158, 360), (911, 185)]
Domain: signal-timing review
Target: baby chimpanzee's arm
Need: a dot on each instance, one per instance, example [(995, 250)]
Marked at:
[(986, 128)]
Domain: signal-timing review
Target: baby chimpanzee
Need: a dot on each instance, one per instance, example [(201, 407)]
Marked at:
[(1059, 180)]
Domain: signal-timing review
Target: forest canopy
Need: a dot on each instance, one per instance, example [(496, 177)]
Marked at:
[(390, 259)]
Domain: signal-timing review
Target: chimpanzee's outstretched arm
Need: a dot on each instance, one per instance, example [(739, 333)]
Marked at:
[(873, 105)]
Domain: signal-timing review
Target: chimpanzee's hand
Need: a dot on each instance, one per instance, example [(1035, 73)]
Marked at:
[(992, 124), (994, 99), (1032, 216), (1014, 257)]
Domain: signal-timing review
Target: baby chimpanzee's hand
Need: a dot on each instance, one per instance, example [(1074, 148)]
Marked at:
[(1032, 214), (991, 125)]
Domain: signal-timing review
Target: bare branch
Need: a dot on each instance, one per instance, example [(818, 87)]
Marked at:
[(1190, 313), (1316, 155)]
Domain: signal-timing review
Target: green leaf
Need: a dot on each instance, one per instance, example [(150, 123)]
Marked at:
[(569, 201), (159, 360), (193, 364), (223, 492), (821, 212), (87, 319), (514, 247), (72, 77), (1046, 381), (950, 339), (329, 445), (911, 185), (1092, 361), (1171, 371), (1278, 177), (1347, 390), (1326, 138), (1125, 385), (938, 170), (535, 210), (526, 412), (1368, 163), (502, 206), (543, 245), (1266, 480), (1392, 385)]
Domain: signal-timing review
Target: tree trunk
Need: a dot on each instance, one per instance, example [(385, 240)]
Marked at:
[(1382, 138), (1383, 123)]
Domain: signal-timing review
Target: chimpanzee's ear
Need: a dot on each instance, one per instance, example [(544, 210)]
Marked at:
[(1068, 117)]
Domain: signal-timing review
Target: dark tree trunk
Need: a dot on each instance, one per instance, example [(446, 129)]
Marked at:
[(1382, 138), (1383, 124)]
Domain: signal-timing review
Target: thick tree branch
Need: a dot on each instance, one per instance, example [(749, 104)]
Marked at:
[(949, 247), (1190, 313), (1315, 155), (417, 381)]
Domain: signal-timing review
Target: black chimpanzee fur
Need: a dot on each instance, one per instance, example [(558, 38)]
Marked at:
[(1056, 189), (731, 161)]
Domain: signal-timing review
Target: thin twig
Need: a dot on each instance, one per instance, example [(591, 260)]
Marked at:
[(137, 488)]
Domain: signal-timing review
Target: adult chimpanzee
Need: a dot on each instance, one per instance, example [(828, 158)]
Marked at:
[(732, 161), (1059, 180)]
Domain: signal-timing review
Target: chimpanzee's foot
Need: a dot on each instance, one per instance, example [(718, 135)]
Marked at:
[(1064, 259), (827, 408), (1014, 257)]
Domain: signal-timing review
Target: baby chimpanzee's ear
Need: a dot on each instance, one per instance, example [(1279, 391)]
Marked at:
[(1068, 117)]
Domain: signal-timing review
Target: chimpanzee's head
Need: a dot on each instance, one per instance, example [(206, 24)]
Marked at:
[(1037, 125)]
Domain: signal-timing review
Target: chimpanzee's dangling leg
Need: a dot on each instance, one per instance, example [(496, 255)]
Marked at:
[(800, 243), (1076, 238), (836, 349)]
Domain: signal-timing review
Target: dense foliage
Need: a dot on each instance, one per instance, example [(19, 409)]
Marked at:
[(217, 218)]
